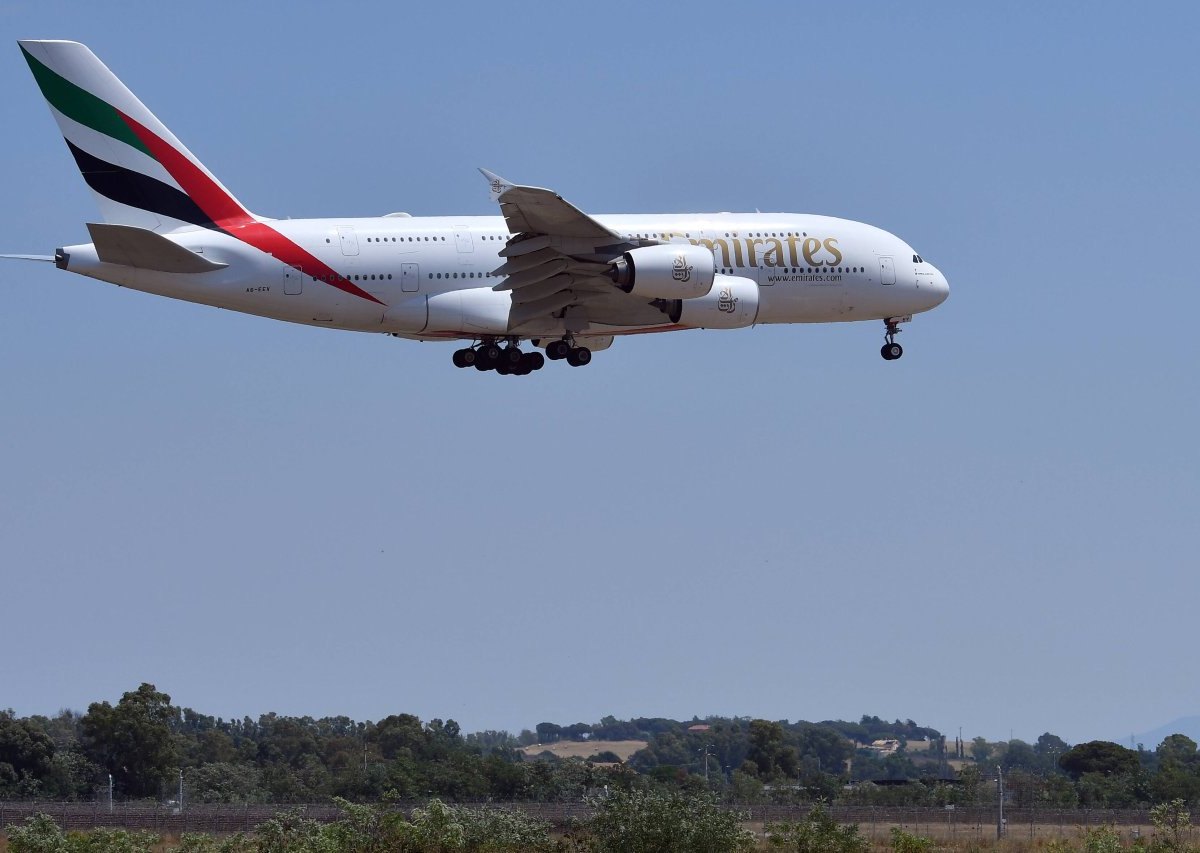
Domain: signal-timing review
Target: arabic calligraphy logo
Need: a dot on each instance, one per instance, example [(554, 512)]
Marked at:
[(726, 301), (497, 186), (680, 269)]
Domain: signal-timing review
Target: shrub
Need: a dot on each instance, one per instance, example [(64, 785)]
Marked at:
[(907, 842), (664, 822), (816, 833)]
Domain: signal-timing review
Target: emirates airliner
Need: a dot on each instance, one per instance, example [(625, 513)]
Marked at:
[(542, 272)]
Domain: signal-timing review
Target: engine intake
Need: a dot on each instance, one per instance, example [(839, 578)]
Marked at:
[(666, 272)]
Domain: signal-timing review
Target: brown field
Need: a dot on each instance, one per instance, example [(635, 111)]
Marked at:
[(583, 748)]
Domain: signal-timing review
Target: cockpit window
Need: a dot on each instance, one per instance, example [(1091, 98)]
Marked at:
[(917, 259)]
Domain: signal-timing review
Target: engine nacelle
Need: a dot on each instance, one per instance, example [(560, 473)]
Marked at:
[(731, 304), (666, 272)]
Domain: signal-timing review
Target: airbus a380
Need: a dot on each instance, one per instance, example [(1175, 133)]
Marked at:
[(542, 272)]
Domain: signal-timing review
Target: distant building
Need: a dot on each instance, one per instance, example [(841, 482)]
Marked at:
[(699, 727)]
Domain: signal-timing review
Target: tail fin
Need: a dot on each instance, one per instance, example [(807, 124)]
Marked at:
[(141, 174)]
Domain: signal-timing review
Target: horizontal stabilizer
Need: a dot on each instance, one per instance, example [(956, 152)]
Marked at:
[(46, 258), (131, 246)]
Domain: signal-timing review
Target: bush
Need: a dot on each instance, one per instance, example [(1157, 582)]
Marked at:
[(816, 833), (664, 822), (1101, 839), (40, 834), (907, 842)]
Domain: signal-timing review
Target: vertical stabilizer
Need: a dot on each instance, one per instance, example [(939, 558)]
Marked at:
[(141, 174)]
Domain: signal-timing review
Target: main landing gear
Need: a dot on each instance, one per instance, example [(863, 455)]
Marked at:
[(575, 356), (891, 350), (509, 360)]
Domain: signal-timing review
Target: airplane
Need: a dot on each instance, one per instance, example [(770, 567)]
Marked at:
[(542, 272)]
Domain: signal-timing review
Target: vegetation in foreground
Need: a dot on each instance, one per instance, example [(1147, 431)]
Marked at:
[(625, 822)]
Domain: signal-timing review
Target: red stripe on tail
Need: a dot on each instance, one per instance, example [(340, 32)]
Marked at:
[(235, 220)]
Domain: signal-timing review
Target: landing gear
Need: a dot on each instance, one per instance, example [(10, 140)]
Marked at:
[(562, 349), (509, 360), (891, 350)]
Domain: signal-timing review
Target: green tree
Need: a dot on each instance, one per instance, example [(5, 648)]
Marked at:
[(981, 750), (1098, 756), (133, 740), (26, 757)]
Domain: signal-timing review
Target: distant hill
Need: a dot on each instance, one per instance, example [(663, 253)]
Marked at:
[(1189, 726), (623, 749)]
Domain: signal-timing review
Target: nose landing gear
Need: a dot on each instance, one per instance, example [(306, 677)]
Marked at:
[(891, 350)]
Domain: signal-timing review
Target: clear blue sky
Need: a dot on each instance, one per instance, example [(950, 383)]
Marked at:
[(996, 532)]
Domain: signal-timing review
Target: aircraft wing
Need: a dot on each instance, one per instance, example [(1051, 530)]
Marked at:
[(557, 261)]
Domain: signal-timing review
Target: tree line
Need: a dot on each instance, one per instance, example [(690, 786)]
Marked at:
[(142, 744)]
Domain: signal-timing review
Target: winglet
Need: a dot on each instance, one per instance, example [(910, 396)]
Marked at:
[(498, 184)]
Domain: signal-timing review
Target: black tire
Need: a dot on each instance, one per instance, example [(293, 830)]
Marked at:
[(504, 368), (457, 358), (511, 356), (579, 356), (482, 364), (534, 361), (884, 351), (469, 357), (557, 350), (894, 351), (489, 353)]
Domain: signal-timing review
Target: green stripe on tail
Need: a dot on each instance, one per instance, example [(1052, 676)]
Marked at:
[(81, 105)]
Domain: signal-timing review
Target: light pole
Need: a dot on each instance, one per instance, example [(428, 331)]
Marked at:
[(1000, 810), (181, 789), (706, 754), (110, 787)]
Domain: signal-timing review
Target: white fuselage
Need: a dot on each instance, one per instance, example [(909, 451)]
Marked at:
[(432, 276)]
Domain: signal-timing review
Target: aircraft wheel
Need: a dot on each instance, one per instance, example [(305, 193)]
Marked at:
[(533, 361), (464, 357), (556, 350), (891, 352), (489, 353), (511, 356), (579, 356)]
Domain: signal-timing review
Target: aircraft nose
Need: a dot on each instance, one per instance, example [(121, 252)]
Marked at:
[(940, 288)]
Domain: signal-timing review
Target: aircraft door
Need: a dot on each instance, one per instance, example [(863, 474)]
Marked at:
[(293, 281), (462, 239), (410, 278), (887, 271), (349, 240)]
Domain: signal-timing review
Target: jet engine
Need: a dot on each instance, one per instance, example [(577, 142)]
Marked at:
[(731, 304), (665, 272)]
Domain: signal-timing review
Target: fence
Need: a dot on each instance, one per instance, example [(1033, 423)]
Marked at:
[(874, 821)]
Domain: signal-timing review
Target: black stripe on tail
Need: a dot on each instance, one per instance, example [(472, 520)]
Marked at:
[(134, 189)]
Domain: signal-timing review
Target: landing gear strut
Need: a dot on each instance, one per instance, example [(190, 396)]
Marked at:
[(891, 350)]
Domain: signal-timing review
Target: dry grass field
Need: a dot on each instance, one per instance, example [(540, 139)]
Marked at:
[(623, 749)]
